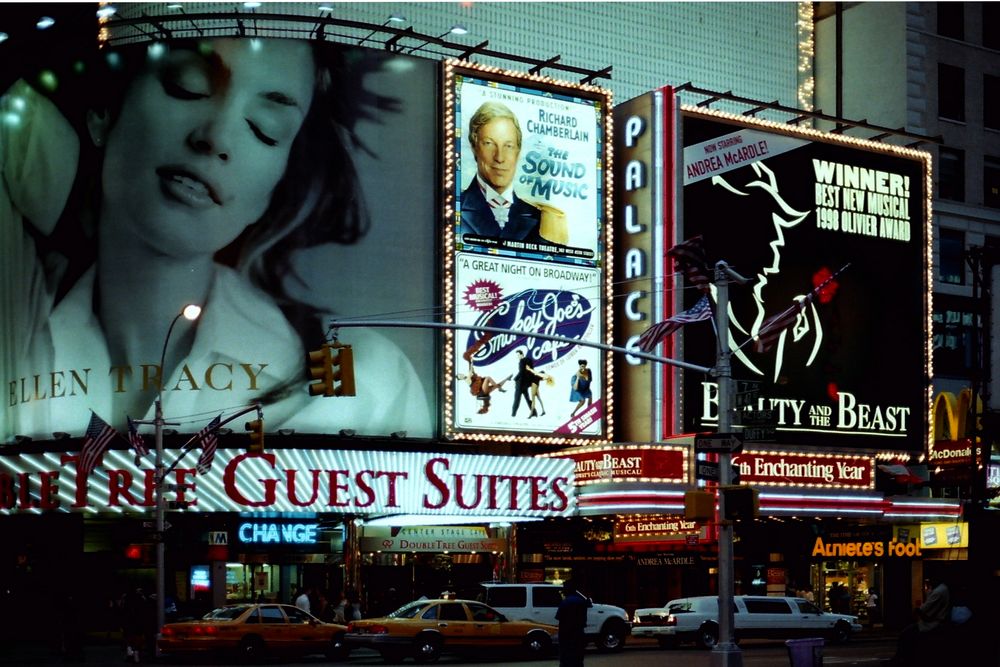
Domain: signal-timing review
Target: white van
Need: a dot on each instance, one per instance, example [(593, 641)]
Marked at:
[(696, 619), (607, 626)]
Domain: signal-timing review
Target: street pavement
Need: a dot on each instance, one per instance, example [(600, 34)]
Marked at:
[(867, 650)]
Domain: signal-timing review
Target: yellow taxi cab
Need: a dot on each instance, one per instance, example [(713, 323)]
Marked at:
[(425, 628), (253, 630)]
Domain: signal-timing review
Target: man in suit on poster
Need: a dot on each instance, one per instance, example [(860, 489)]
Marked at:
[(490, 207)]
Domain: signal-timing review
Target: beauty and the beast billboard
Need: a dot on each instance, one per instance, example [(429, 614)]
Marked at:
[(261, 179), (789, 210)]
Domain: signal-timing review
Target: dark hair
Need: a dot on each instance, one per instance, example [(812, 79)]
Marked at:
[(317, 201)]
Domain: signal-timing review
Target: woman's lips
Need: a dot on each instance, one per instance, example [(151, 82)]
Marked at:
[(186, 187)]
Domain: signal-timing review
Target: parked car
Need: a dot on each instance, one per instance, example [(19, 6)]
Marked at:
[(696, 619), (607, 625), (425, 629), (253, 630)]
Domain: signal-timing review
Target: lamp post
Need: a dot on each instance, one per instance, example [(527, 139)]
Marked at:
[(190, 312)]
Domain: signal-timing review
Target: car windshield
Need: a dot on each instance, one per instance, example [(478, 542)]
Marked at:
[(408, 610), (225, 613)]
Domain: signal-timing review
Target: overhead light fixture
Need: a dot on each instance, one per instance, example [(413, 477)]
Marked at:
[(175, 6), (225, 430), (325, 8), (393, 18), (286, 431), (397, 435), (45, 22), (348, 433), (251, 5), (107, 11), (60, 435), (456, 29)]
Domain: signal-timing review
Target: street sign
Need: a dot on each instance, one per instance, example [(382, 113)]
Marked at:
[(718, 442), (759, 434), (756, 417), (746, 393), (709, 471), (152, 524)]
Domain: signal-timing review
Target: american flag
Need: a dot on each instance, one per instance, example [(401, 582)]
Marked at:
[(95, 443), (689, 257), (209, 440), (136, 440), (773, 327), (652, 336)]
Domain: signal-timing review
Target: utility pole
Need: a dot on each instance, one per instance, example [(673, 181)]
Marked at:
[(726, 653)]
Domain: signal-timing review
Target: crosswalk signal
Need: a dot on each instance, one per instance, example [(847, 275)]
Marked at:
[(699, 505), (741, 502), (256, 428)]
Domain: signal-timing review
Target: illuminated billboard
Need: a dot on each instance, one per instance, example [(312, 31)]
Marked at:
[(258, 178), (788, 209), (354, 482), (526, 234)]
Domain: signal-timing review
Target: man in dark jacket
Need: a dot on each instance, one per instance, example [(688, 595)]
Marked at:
[(572, 617)]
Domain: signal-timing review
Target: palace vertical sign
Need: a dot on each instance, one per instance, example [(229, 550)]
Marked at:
[(644, 194)]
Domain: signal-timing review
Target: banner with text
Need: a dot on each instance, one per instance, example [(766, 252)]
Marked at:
[(789, 210)]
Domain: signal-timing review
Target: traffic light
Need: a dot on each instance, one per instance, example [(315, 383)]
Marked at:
[(699, 505), (256, 428), (343, 370), (741, 502), (332, 366)]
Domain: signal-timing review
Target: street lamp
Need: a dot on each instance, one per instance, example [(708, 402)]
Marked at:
[(190, 312)]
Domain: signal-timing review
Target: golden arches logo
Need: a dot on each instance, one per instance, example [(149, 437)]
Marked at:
[(950, 413)]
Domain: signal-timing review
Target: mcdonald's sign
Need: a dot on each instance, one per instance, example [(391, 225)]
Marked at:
[(952, 442)]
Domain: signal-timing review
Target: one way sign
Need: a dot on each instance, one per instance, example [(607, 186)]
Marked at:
[(718, 442)]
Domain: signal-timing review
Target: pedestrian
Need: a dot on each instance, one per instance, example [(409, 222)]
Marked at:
[(931, 617), (572, 617), (133, 608), (871, 607), (302, 601)]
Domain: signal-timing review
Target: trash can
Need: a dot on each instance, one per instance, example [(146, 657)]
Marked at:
[(805, 652)]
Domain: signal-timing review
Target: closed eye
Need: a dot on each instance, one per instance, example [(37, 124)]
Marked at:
[(263, 138), (181, 93)]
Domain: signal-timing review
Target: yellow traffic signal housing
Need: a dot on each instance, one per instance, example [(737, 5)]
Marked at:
[(699, 505), (321, 369), (740, 502), (256, 428), (343, 370), (332, 366)]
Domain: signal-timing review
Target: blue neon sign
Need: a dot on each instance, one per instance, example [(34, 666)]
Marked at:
[(278, 533)]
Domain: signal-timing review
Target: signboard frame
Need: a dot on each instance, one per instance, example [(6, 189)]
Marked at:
[(552, 276)]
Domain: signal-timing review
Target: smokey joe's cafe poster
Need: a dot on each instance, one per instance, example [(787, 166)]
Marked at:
[(526, 223)]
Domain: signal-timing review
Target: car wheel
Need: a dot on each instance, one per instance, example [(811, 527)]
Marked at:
[(841, 632), (337, 648), (612, 637), (667, 642), (537, 644), (708, 635), (427, 648), (252, 648)]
